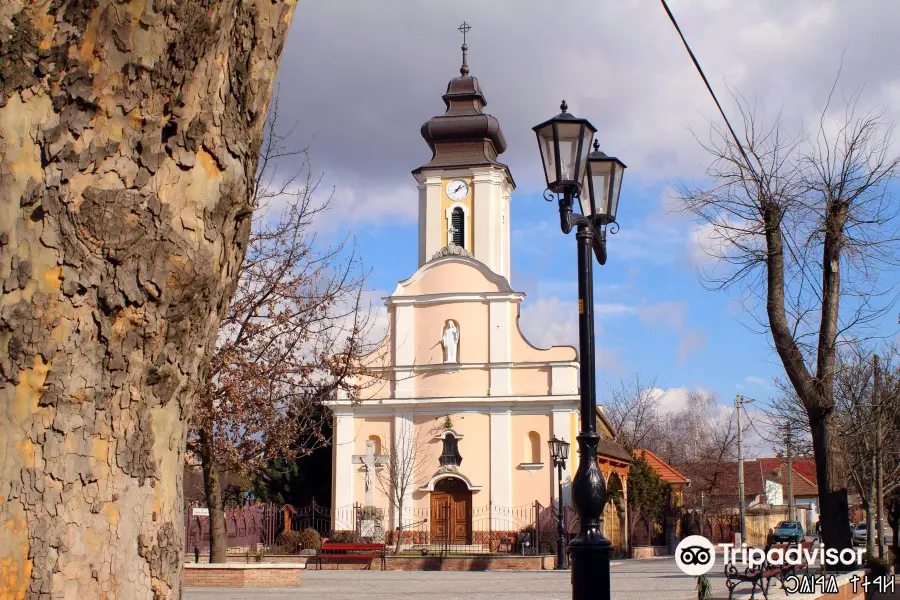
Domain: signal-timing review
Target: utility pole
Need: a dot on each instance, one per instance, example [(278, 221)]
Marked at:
[(790, 473), (879, 466), (738, 404)]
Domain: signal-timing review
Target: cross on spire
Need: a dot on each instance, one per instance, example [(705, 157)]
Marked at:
[(465, 27), (464, 69)]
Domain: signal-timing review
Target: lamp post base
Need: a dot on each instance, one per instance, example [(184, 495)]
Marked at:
[(590, 567), (589, 549)]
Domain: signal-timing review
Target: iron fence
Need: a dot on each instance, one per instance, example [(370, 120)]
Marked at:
[(490, 528)]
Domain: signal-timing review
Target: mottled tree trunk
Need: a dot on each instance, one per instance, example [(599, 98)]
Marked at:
[(218, 536), (128, 134)]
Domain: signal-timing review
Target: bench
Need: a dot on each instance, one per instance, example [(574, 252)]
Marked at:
[(762, 575), (345, 552)]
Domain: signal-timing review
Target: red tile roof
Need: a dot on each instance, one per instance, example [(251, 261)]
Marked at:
[(665, 471), (720, 479), (776, 468), (807, 467)]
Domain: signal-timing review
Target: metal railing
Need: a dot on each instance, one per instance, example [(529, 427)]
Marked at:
[(485, 529)]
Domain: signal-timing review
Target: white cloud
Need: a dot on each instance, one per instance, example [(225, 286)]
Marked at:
[(360, 203), (672, 400), (607, 309), (550, 321), (363, 79), (672, 315)]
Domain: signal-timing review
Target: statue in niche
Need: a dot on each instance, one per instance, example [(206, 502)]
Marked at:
[(450, 341)]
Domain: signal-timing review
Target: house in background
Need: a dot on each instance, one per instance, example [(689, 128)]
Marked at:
[(713, 496), (666, 472), (806, 492)]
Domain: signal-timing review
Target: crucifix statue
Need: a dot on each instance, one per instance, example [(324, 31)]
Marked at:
[(370, 461)]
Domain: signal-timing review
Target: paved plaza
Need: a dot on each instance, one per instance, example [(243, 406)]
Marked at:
[(632, 580), (652, 579)]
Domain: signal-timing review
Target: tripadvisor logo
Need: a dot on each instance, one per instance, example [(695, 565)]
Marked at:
[(696, 555)]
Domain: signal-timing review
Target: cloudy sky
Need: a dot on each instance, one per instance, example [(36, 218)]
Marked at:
[(360, 77)]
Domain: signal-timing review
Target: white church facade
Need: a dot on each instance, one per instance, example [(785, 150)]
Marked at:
[(453, 419)]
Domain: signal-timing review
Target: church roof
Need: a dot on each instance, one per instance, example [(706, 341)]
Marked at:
[(612, 449), (464, 136)]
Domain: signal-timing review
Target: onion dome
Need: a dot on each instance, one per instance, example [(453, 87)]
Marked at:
[(464, 135)]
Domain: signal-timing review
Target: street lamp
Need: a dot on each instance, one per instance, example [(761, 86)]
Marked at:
[(559, 452), (595, 180)]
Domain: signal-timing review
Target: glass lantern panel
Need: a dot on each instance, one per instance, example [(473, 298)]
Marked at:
[(600, 175), (618, 173), (587, 135), (586, 193), (548, 155), (554, 447), (569, 136)]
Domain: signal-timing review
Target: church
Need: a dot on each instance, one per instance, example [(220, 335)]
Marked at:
[(448, 435)]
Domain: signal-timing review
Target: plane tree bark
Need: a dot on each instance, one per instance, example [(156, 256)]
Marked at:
[(802, 224), (129, 135)]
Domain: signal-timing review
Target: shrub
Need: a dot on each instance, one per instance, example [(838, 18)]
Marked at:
[(344, 537), (290, 542), (310, 539)]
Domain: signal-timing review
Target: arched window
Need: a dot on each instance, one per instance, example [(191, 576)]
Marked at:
[(458, 227), (533, 447), (377, 441)]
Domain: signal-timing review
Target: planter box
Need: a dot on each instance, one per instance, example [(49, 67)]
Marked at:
[(236, 575)]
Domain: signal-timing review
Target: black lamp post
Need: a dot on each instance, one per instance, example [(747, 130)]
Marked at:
[(595, 180), (559, 452)]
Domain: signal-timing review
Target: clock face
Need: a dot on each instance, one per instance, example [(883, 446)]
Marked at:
[(457, 189)]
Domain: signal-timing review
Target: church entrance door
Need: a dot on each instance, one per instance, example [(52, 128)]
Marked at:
[(451, 512)]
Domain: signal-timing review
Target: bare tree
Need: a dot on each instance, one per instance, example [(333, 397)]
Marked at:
[(633, 411), (405, 468), (703, 431), (804, 224), (291, 339), (857, 415), (129, 134), (703, 443)]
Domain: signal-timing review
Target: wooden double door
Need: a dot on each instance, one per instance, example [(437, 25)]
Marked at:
[(451, 512)]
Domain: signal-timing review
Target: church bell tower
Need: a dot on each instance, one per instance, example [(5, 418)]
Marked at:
[(464, 192)]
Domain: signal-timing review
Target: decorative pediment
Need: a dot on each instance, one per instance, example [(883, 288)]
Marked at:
[(429, 487), (452, 250), (448, 431)]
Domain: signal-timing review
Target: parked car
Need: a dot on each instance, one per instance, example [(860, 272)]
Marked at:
[(861, 534), (788, 531)]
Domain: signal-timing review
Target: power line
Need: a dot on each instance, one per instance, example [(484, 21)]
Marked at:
[(709, 88)]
